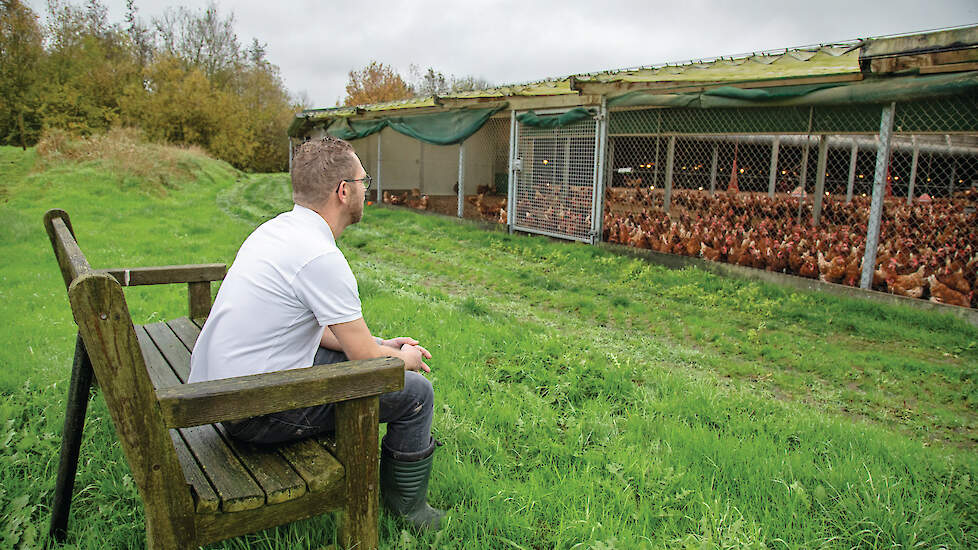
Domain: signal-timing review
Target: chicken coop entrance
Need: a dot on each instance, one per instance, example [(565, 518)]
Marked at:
[(554, 174)]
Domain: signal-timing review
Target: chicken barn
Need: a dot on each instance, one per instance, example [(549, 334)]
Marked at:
[(853, 163)]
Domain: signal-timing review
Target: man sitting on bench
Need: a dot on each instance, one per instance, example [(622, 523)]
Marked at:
[(290, 300)]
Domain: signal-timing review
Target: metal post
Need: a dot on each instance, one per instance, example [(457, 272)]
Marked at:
[(773, 178), (380, 156), (852, 171), (421, 166), (713, 168), (511, 192), (803, 170), (913, 170), (954, 167), (823, 153), (600, 141), (290, 155), (78, 392), (670, 157), (879, 188), (655, 165), (461, 179)]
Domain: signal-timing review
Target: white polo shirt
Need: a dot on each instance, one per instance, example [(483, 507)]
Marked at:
[(288, 281)]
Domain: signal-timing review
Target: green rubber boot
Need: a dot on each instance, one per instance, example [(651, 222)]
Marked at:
[(404, 490)]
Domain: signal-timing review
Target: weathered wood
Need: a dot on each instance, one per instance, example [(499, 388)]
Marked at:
[(78, 391), (186, 331), (205, 498), (247, 396), (199, 299), (160, 373), (167, 274), (70, 258), (356, 447), (313, 462), (176, 354), (234, 485), (104, 322), (215, 527), (274, 475)]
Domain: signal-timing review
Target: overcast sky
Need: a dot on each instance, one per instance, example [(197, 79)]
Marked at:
[(317, 43)]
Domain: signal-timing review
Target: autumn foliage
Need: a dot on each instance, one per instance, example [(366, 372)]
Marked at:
[(375, 83), (183, 79)]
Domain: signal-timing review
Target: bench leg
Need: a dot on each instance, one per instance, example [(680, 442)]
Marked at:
[(356, 448), (78, 391)]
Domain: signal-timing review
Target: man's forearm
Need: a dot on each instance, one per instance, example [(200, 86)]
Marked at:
[(329, 341)]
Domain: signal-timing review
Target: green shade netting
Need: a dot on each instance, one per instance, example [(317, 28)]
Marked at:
[(446, 128), (577, 114), (879, 91)]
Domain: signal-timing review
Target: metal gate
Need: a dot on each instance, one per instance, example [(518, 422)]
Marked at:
[(554, 175)]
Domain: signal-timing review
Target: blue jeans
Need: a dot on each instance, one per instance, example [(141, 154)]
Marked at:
[(408, 414)]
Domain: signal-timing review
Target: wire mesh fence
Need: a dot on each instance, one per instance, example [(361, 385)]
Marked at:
[(486, 172), (554, 183), (788, 189)]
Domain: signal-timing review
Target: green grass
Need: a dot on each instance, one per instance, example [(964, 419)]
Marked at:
[(585, 400)]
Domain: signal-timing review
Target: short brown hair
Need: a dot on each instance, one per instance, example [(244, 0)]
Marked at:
[(318, 165)]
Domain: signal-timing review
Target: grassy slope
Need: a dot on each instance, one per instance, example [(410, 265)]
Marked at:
[(585, 400)]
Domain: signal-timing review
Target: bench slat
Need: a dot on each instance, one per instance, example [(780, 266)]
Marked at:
[(205, 499), (159, 370), (237, 489), (173, 349), (313, 462), (277, 478), (186, 331)]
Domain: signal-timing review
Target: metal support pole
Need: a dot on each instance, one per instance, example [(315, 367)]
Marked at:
[(290, 155), (913, 170), (803, 170), (823, 154), (380, 157), (600, 140), (852, 171), (421, 166), (773, 177), (879, 188), (670, 157), (461, 179), (511, 192), (78, 391), (655, 165), (954, 167), (713, 168)]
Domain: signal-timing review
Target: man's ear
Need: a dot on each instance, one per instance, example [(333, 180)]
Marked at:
[(343, 192)]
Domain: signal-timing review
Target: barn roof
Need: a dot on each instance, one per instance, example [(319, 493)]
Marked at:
[(939, 51)]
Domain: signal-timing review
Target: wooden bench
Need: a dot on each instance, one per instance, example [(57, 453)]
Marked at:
[(197, 484)]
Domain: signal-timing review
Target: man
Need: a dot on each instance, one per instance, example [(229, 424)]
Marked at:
[(290, 300)]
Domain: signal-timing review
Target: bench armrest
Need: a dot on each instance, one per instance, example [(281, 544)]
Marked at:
[(167, 274), (246, 396)]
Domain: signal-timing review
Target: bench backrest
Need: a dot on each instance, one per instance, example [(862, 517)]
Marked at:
[(99, 308)]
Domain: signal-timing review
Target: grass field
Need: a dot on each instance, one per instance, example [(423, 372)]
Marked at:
[(585, 400)]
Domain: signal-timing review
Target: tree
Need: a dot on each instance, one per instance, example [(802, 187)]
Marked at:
[(20, 54), (431, 82), (89, 64), (204, 40), (375, 83)]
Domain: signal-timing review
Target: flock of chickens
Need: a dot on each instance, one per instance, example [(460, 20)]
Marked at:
[(926, 249)]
